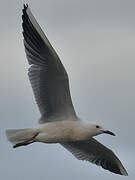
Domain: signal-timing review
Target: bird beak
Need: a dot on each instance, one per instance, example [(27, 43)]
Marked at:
[(109, 132)]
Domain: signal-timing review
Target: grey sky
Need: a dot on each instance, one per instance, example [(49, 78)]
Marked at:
[(96, 42)]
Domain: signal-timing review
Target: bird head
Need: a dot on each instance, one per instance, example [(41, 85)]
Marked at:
[(95, 129), (100, 130)]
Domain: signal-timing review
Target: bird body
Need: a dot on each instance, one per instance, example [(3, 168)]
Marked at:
[(62, 131), (59, 131), (59, 122), (66, 131)]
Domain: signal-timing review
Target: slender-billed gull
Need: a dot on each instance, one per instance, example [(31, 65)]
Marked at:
[(59, 122)]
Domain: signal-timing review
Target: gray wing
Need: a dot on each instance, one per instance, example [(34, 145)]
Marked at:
[(48, 77), (93, 151)]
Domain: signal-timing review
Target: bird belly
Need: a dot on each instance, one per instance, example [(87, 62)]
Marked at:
[(63, 131), (49, 138), (54, 133)]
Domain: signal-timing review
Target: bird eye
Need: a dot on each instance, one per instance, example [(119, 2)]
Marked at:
[(97, 126)]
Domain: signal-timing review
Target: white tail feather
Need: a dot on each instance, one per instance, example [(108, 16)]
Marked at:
[(19, 135)]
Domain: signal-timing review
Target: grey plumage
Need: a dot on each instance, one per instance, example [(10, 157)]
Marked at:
[(93, 151), (48, 77)]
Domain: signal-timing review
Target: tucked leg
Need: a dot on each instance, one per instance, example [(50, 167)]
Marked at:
[(25, 143)]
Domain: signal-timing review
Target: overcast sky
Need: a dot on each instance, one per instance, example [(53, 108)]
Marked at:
[(96, 43)]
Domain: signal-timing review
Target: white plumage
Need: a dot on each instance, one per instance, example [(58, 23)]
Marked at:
[(59, 122)]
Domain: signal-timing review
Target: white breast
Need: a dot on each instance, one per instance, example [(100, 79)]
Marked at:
[(63, 131)]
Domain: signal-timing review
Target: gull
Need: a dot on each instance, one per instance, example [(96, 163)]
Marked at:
[(59, 122)]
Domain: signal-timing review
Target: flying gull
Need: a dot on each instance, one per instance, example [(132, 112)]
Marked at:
[(59, 122)]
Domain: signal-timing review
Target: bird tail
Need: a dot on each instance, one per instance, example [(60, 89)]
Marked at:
[(20, 136)]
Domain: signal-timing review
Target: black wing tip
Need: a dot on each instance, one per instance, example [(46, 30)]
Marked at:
[(113, 167), (25, 6), (117, 171), (124, 172), (121, 171), (24, 13), (121, 174)]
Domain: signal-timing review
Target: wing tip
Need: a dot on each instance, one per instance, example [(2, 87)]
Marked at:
[(24, 10), (123, 171), (25, 6), (116, 168)]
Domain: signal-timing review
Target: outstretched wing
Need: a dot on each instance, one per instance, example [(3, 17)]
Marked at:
[(93, 151), (48, 77)]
